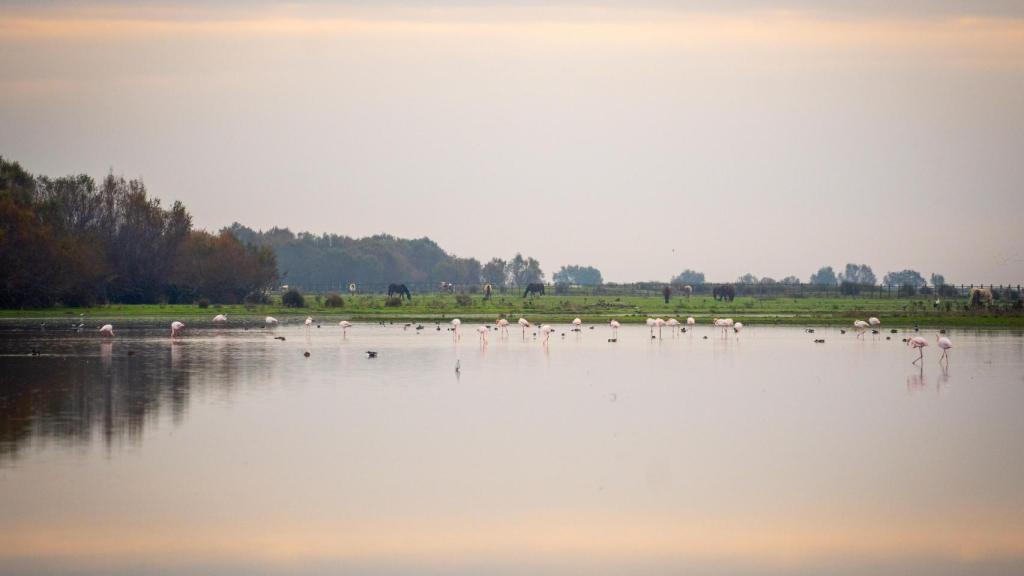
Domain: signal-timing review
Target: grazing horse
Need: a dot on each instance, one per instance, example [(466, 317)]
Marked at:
[(687, 290), (487, 291), (979, 297), (724, 292), (534, 288), (666, 293), (400, 290)]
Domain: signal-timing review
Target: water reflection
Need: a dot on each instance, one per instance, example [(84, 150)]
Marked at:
[(669, 456)]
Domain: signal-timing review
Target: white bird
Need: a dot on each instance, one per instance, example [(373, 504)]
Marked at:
[(690, 321), (737, 327), (309, 321), (482, 331), (455, 328), (673, 324), (220, 319), (502, 325), (874, 321), (576, 323), (270, 321), (525, 324), (724, 324), (919, 343), (107, 330), (546, 330), (945, 344), (650, 324), (176, 327), (860, 326), (615, 328), (659, 323), (345, 325)]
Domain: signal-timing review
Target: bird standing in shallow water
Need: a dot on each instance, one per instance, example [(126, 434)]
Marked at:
[(919, 343), (524, 323), (107, 330), (176, 327), (945, 344), (345, 325), (455, 328), (615, 328)]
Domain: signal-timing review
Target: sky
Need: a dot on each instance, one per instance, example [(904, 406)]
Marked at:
[(638, 137)]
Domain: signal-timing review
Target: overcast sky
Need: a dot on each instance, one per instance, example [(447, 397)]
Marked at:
[(638, 137)]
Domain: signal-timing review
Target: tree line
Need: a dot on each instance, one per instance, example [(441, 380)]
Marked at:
[(850, 280), (73, 241)]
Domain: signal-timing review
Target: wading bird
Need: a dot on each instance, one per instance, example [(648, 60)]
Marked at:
[(737, 327), (546, 331), (945, 344), (176, 327), (673, 324), (270, 321), (482, 331), (919, 343), (650, 324), (576, 323), (659, 323), (525, 324), (615, 328), (502, 325), (220, 319), (107, 330), (860, 326), (455, 328), (345, 325)]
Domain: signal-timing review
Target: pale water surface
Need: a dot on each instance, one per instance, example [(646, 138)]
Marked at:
[(229, 452)]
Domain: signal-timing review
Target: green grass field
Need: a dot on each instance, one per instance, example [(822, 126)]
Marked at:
[(592, 309)]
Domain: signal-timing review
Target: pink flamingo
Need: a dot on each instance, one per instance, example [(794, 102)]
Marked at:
[(576, 323), (546, 330), (673, 324), (615, 328), (945, 344), (503, 326), (220, 319), (691, 323), (345, 325), (482, 331), (176, 327), (919, 343), (737, 327), (455, 328), (107, 330), (525, 324), (659, 323), (650, 324), (860, 326)]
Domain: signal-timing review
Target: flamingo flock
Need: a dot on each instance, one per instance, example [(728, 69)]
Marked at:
[(501, 325)]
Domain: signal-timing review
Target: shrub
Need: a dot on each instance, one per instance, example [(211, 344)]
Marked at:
[(293, 299), (203, 303), (463, 300), (393, 301), (334, 301), (257, 297)]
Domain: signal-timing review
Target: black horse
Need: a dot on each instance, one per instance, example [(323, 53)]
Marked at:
[(400, 290), (534, 288), (724, 292), (666, 292)]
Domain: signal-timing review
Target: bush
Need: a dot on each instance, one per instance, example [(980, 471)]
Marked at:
[(463, 300), (255, 298), (293, 299), (203, 303), (393, 301), (334, 301)]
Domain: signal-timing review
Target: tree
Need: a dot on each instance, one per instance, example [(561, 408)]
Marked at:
[(767, 280), (908, 277), (522, 271), (938, 280), (858, 274), (493, 272), (688, 277), (825, 276), (582, 275), (747, 278), (790, 280)]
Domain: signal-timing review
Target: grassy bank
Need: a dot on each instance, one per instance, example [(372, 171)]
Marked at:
[(430, 307)]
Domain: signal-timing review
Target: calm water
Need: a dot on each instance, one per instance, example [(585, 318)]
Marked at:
[(228, 452)]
